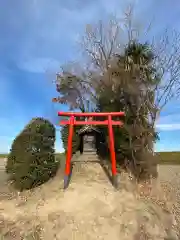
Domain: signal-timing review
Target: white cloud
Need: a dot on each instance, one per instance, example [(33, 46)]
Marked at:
[(41, 29), (170, 122), (170, 118), (45, 31), (168, 127), (39, 65)]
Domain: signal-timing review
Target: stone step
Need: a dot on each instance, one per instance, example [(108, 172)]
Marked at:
[(89, 150), (87, 158), (86, 161), (89, 153)]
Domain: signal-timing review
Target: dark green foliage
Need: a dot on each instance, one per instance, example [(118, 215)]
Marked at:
[(64, 137), (31, 161)]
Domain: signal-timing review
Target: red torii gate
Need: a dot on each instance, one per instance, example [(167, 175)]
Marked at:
[(72, 121)]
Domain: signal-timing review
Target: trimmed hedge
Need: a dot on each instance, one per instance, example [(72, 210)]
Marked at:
[(163, 157), (32, 161)]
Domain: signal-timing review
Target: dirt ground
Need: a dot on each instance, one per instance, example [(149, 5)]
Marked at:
[(89, 209), (170, 182)]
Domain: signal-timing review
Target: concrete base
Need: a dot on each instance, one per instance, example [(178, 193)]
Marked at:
[(115, 181), (66, 181)]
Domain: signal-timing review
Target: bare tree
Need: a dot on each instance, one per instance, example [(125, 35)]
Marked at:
[(73, 84), (166, 50), (76, 83), (101, 43), (167, 63)]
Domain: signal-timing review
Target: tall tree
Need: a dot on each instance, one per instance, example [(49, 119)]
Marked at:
[(139, 78), (130, 76)]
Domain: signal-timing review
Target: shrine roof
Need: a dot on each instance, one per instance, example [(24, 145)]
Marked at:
[(88, 128)]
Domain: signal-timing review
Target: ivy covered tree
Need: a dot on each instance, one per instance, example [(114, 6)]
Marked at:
[(129, 82)]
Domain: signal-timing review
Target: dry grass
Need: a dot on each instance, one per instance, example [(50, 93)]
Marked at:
[(169, 158), (89, 209)]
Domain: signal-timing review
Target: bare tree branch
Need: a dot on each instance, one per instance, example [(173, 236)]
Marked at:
[(103, 41)]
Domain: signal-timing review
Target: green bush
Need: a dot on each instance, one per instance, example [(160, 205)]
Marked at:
[(75, 140), (32, 161)]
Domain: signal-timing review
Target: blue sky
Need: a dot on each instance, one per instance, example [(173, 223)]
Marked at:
[(37, 36)]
